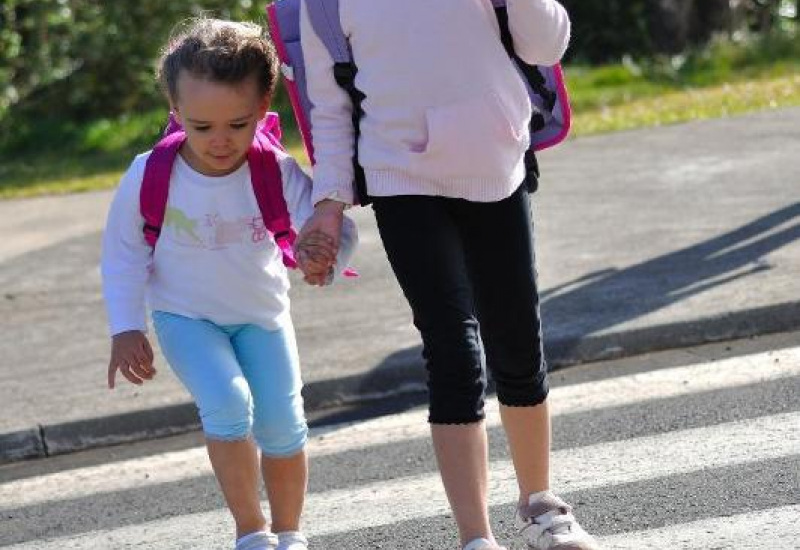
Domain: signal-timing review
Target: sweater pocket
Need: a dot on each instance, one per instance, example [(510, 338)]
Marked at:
[(476, 139)]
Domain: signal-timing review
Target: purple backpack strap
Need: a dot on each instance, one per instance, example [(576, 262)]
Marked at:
[(155, 184), (324, 17), (284, 26), (546, 89)]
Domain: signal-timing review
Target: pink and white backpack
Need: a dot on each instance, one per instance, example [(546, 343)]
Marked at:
[(264, 171)]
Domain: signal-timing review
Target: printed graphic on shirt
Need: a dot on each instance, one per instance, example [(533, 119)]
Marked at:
[(259, 230), (225, 233), (212, 231), (181, 225)]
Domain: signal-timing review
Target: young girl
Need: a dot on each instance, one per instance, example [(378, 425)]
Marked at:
[(215, 281), (443, 135)]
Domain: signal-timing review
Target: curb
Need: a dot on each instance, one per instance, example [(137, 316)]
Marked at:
[(404, 373)]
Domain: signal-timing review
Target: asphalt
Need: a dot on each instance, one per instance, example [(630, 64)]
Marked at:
[(646, 240)]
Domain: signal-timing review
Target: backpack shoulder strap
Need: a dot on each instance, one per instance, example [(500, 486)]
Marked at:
[(265, 175), (501, 13), (155, 184), (532, 74), (327, 23), (267, 183), (172, 125), (324, 17), (270, 128), (283, 17)]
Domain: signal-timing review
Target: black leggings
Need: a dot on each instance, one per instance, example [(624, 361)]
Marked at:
[(459, 264)]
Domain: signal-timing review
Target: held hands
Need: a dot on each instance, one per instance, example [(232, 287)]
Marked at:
[(132, 356), (318, 242)]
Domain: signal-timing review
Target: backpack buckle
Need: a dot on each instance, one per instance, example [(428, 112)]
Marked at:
[(155, 230)]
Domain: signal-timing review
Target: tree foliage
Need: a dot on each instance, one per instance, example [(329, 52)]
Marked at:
[(83, 59), (90, 57), (606, 30)]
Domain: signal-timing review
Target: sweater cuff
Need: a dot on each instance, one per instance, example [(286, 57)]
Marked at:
[(334, 193), (126, 327), (124, 319)]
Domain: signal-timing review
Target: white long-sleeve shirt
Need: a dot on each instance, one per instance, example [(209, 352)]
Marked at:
[(214, 259), (446, 113)]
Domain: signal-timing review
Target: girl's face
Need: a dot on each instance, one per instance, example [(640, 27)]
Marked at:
[(220, 121)]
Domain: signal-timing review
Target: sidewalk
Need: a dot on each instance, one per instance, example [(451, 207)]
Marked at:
[(646, 240)]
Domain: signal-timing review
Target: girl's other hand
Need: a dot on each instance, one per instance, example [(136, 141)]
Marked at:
[(132, 356)]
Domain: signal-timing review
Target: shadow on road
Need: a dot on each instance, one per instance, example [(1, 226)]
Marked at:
[(598, 301)]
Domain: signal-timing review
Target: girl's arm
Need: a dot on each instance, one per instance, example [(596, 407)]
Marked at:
[(540, 29), (126, 258), (331, 120), (297, 190)]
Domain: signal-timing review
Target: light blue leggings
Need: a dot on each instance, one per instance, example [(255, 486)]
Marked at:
[(244, 379)]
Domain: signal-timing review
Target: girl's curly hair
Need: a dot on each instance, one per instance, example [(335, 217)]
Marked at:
[(221, 51)]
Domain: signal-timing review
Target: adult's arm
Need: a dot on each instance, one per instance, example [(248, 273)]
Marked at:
[(331, 120), (540, 29)]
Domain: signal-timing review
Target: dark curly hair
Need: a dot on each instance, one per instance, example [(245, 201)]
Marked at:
[(220, 51)]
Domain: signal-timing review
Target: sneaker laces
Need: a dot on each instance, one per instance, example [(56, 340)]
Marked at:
[(547, 527), (555, 523)]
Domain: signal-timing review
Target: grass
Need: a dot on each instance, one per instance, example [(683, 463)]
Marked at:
[(725, 79), (690, 104), (30, 175), (73, 157)]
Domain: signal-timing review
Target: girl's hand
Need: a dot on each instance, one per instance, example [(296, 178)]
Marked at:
[(316, 257), (132, 356), (318, 242)]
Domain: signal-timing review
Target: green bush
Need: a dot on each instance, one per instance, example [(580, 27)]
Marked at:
[(72, 72), (605, 30), (89, 58)]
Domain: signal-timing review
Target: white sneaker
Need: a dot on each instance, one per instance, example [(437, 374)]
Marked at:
[(547, 523), (482, 544), (291, 540), (260, 540)]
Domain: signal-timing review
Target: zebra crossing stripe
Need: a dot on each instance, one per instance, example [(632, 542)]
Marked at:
[(614, 392), (575, 469), (421, 496), (596, 395), (772, 528)]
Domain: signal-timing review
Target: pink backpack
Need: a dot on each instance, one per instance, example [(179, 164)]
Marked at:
[(264, 171)]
